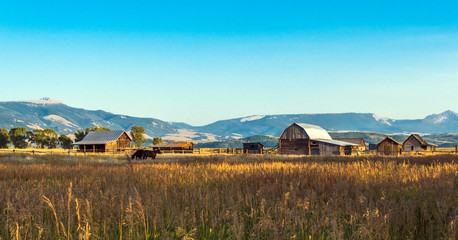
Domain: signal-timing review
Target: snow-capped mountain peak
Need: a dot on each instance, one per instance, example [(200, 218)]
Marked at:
[(44, 100), (381, 119), (442, 117)]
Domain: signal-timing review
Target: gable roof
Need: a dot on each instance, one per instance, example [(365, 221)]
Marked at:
[(390, 139), (420, 140), (101, 137), (351, 140), (252, 143), (314, 131)]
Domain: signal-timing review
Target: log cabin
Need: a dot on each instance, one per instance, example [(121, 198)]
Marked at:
[(105, 141), (389, 146), (253, 148), (415, 143), (308, 139)]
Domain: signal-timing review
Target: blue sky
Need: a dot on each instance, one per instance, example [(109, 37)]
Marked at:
[(202, 61)]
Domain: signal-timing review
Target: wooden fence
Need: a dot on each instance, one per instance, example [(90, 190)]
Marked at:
[(198, 151), (75, 152)]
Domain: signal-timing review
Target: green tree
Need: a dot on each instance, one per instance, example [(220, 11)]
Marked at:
[(19, 137), (39, 138), (4, 138), (51, 138), (65, 142), (79, 135), (137, 135), (45, 138), (157, 140)]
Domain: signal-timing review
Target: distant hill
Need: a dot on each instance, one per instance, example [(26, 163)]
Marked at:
[(267, 141), (446, 122), (53, 113), (442, 140)]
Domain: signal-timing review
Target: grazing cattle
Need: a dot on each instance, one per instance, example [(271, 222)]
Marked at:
[(145, 154), (138, 154)]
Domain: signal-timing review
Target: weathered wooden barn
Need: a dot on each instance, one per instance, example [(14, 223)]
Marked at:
[(389, 146), (308, 139), (104, 141), (416, 143), (184, 147), (359, 141), (253, 148)]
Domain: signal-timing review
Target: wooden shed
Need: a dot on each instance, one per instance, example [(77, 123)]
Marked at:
[(104, 141), (253, 148), (308, 139), (416, 143), (389, 146), (359, 141), (183, 147)]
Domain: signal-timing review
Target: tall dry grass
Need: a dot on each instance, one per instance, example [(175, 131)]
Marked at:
[(229, 197)]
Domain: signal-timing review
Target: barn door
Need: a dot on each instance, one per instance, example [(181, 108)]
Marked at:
[(348, 151)]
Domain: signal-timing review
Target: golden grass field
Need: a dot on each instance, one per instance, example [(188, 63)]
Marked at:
[(228, 197)]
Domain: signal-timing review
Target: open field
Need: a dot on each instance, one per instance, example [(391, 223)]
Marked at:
[(229, 197)]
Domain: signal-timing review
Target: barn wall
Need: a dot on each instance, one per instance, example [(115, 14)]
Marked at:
[(111, 147), (325, 149), (388, 148), (294, 132), (294, 146), (253, 148), (411, 142), (123, 142)]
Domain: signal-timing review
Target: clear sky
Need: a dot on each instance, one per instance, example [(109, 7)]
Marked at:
[(202, 61)]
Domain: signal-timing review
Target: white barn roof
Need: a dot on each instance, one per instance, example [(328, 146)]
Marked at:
[(314, 131), (337, 142)]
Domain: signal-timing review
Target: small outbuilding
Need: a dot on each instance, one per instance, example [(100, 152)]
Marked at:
[(389, 146), (416, 143), (359, 141), (308, 139), (253, 148), (105, 141), (183, 147)]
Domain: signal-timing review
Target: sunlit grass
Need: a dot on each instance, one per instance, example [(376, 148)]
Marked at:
[(231, 197)]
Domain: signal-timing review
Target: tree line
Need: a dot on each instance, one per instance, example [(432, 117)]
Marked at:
[(20, 137)]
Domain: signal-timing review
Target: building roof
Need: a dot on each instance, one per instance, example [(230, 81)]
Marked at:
[(255, 143), (337, 142), (101, 137), (172, 144), (350, 140), (420, 139), (314, 131), (391, 139)]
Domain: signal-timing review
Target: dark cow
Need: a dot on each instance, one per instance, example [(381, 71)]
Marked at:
[(152, 154), (145, 154), (138, 154)]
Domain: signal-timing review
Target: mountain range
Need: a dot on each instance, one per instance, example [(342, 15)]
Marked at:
[(64, 119)]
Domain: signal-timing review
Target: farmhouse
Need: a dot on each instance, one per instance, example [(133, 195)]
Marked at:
[(175, 147), (359, 141), (416, 143), (389, 146), (104, 141), (253, 148), (308, 139)]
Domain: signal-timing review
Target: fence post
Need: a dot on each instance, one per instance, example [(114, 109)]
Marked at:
[(33, 152)]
